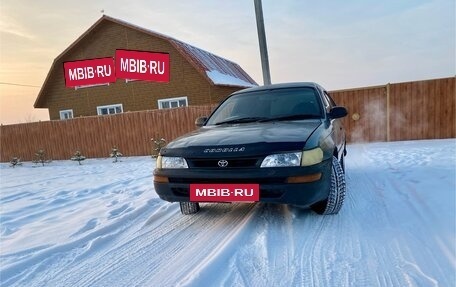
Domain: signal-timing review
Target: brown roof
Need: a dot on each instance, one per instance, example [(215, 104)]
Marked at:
[(217, 70)]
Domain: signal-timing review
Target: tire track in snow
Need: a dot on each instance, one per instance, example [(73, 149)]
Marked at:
[(216, 259), (397, 210), (253, 262), (96, 259), (308, 274), (149, 255), (58, 257), (220, 224)]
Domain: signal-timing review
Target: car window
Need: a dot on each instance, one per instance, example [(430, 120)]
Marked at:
[(269, 104)]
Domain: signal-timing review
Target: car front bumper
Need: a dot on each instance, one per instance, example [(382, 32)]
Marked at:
[(274, 182)]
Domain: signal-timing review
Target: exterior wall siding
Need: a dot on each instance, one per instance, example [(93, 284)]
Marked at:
[(185, 80)]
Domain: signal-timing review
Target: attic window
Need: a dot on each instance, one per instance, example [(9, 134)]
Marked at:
[(170, 103), (110, 109)]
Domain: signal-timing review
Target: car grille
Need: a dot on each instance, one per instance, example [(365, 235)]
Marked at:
[(232, 163)]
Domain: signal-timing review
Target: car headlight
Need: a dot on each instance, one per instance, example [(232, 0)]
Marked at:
[(311, 157), (171, 162), (282, 160)]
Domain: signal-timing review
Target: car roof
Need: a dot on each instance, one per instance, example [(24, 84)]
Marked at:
[(280, 86)]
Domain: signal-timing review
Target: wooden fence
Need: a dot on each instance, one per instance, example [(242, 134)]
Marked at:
[(392, 112), (95, 136), (403, 111)]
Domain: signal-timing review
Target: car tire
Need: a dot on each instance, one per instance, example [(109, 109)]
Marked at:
[(188, 208), (335, 200)]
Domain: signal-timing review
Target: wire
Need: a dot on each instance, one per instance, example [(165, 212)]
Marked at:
[(20, 85)]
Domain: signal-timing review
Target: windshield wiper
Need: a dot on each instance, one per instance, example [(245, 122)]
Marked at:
[(242, 120), (291, 118)]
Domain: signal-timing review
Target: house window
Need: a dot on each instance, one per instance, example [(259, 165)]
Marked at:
[(172, 103), (66, 114), (110, 109)]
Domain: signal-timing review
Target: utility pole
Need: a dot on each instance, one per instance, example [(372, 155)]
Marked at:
[(262, 41)]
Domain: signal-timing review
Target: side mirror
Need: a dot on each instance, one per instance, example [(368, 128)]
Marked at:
[(338, 112), (199, 122)]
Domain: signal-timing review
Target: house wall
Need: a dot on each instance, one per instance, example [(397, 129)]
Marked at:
[(102, 41)]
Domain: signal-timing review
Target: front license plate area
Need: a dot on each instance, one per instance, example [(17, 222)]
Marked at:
[(207, 192)]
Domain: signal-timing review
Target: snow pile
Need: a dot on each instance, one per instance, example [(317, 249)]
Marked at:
[(219, 78), (101, 224)]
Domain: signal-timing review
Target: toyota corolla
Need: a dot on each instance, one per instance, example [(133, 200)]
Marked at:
[(281, 143)]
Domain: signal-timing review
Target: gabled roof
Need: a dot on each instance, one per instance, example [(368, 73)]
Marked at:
[(217, 70), (220, 71)]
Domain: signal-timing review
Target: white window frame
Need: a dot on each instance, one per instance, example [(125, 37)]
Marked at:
[(169, 100), (99, 108), (63, 112)]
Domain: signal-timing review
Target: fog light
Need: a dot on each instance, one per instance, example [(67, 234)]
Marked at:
[(160, 179), (304, 178)]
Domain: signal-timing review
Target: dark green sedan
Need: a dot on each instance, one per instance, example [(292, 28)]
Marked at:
[(281, 143)]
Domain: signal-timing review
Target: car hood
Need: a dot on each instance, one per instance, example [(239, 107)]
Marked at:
[(240, 140)]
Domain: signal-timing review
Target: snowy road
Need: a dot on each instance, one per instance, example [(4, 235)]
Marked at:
[(102, 224)]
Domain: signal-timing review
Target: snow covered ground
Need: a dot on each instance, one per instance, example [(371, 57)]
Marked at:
[(102, 224)]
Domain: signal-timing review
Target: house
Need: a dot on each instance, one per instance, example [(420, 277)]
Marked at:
[(197, 77)]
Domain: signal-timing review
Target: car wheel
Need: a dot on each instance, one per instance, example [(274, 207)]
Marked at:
[(336, 197), (189, 207)]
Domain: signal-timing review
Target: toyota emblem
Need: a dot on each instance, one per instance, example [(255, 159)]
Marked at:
[(222, 163)]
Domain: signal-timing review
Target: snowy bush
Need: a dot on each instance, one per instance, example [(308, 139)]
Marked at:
[(115, 153), (78, 157), (40, 157), (157, 145), (15, 161)]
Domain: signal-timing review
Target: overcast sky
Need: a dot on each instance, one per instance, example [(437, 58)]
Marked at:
[(339, 44)]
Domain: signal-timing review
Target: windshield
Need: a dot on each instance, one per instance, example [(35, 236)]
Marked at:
[(268, 105)]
